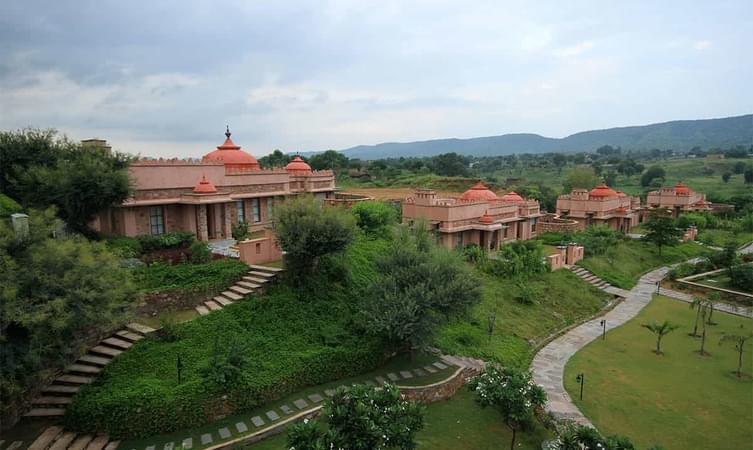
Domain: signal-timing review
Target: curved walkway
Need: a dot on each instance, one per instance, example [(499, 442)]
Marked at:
[(549, 363)]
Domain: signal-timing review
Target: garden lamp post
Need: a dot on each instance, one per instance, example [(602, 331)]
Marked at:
[(603, 324), (179, 366), (581, 379), (658, 286)]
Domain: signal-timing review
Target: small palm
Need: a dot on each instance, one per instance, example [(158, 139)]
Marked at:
[(660, 330)]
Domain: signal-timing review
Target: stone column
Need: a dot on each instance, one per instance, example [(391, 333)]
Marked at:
[(228, 225), (202, 232)]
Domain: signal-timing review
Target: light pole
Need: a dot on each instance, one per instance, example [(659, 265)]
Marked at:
[(658, 285), (604, 328), (581, 379)]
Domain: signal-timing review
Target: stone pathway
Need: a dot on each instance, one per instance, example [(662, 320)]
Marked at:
[(252, 282), (743, 311), (55, 438), (225, 247), (549, 363)]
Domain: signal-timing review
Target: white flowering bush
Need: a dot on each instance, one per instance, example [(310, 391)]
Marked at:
[(362, 418)]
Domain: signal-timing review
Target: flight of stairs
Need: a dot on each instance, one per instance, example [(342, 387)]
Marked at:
[(252, 282), (591, 278), (58, 395), (474, 366), (55, 438)]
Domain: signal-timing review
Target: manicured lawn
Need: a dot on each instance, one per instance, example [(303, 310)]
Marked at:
[(564, 299), (680, 399), (626, 262), (458, 423)]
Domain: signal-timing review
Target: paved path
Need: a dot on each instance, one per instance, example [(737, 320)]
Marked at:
[(549, 363), (720, 306)]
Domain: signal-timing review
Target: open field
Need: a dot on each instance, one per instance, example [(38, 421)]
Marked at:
[(680, 399)]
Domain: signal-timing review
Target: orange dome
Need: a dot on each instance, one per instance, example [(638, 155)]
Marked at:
[(479, 192), (602, 191), (486, 218), (512, 197), (298, 165), (681, 189), (232, 155), (204, 187)]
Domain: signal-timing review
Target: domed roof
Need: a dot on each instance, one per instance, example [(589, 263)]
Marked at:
[(204, 187), (681, 189), (486, 218), (298, 165), (602, 191), (479, 192), (513, 197), (232, 155)]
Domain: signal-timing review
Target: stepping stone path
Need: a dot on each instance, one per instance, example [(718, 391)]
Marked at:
[(430, 369), (272, 415), (252, 283), (381, 381), (257, 421), (241, 427), (419, 372), (300, 403), (224, 433), (316, 398), (286, 410), (393, 376), (329, 392), (206, 438), (405, 374), (439, 365), (187, 443), (58, 395)]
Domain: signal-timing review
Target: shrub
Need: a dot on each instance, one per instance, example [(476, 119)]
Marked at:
[(177, 239), (8, 206), (239, 231), (474, 253), (125, 247), (160, 277), (374, 217), (200, 253), (741, 277)]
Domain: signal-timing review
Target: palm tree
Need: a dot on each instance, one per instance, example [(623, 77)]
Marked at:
[(712, 297), (706, 307), (697, 304), (739, 340), (660, 330)]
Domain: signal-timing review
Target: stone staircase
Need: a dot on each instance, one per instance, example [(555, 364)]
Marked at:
[(253, 282), (58, 395), (56, 438), (591, 278), (475, 366)]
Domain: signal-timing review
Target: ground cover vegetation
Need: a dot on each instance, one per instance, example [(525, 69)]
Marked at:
[(736, 270), (623, 371)]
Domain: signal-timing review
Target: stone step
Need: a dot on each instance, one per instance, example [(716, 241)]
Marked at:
[(98, 443), (61, 389), (129, 336), (81, 442), (63, 441), (52, 401), (112, 445), (212, 305), (46, 412), (106, 351), (202, 310), (256, 280), (240, 290), (249, 285), (256, 273), (46, 438), (139, 328), (94, 360), (265, 269), (83, 368), (232, 295), (73, 379), (117, 343), (223, 301)]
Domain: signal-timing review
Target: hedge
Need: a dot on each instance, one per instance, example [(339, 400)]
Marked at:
[(290, 339)]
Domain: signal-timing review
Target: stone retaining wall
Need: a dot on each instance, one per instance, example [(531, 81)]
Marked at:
[(441, 390)]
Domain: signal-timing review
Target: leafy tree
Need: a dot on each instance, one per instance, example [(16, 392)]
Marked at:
[(598, 239), (520, 258), (330, 159), (418, 287), (739, 167), (661, 230), (748, 175), (581, 178), (513, 393), (660, 330), (739, 341), (652, 173), (726, 177), (559, 160), (699, 304), (374, 217), (450, 165), (307, 231), (610, 178), (275, 159), (741, 277), (362, 418)]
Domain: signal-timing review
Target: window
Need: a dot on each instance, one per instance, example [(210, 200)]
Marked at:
[(156, 220), (270, 207), (241, 209), (256, 210)]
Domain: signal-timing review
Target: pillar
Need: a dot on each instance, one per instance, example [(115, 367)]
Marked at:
[(228, 224), (202, 231)]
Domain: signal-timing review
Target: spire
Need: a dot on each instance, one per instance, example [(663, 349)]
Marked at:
[(227, 131)]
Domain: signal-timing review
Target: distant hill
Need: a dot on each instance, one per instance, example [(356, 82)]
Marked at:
[(678, 135)]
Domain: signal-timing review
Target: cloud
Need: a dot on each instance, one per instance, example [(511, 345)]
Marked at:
[(702, 45), (574, 50)]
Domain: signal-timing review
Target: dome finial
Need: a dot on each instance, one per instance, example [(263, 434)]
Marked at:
[(227, 131)]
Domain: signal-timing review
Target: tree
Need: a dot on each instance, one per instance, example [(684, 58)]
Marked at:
[(652, 173), (748, 175), (513, 393), (739, 167), (418, 287), (660, 330), (362, 418), (450, 165), (559, 160), (726, 176), (307, 231), (374, 217), (330, 159), (275, 159), (739, 341), (698, 303), (661, 230), (610, 178), (581, 178)]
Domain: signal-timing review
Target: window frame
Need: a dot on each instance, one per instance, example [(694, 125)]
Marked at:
[(159, 224)]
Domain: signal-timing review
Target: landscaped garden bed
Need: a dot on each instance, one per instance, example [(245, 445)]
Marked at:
[(679, 399)]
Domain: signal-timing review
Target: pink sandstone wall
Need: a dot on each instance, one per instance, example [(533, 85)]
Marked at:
[(260, 250)]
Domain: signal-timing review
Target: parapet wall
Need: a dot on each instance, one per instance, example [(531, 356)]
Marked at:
[(553, 223)]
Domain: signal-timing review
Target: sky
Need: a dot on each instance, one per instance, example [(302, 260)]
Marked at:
[(162, 78)]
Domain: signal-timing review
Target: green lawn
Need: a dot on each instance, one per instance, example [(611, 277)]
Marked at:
[(680, 400), (720, 237), (626, 262), (458, 423), (564, 299)]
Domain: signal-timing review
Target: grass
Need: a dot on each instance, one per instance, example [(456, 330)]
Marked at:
[(680, 399), (718, 237), (457, 423), (564, 299), (626, 262)]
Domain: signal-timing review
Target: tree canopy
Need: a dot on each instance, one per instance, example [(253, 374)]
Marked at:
[(661, 230)]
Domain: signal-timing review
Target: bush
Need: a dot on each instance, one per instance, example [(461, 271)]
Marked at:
[(200, 253), (374, 217), (8, 206), (741, 277), (177, 239), (681, 271), (125, 247), (239, 231)]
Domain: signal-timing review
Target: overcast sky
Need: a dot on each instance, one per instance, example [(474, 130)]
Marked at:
[(163, 78)]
